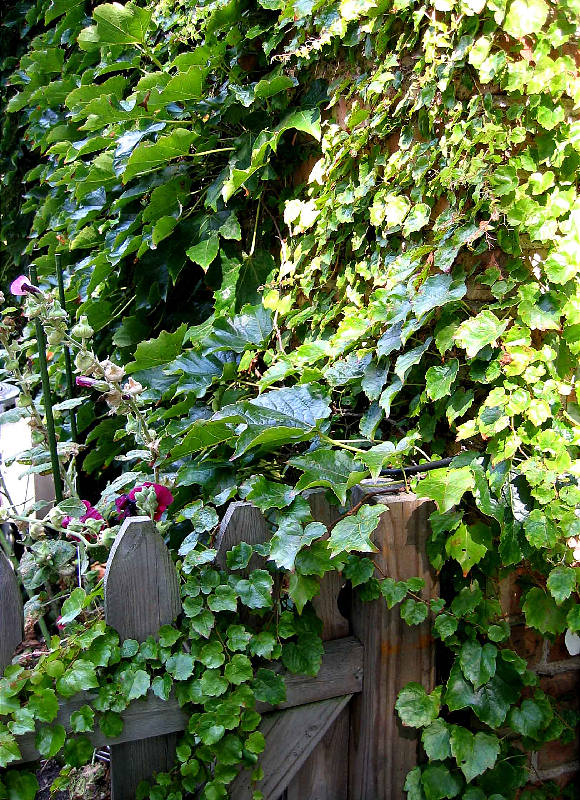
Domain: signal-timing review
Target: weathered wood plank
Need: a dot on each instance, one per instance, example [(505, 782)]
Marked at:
[(242, 522), (11, 614), (141, 594), (340, 673), (324, 775), (290, 738), (381, 751)]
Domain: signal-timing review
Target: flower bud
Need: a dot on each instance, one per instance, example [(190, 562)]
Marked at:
[(82, 330), (36, 531), (85, 362), (55, 336), (56, 517)]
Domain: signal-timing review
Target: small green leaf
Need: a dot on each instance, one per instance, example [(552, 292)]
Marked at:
[(474, 754), (73, 605), (561, 583), (542, 613), (111, 724), (353, 532), (205, 252), (477, 332), (50, 739), (525, 17), (446, 486), (415, 707)]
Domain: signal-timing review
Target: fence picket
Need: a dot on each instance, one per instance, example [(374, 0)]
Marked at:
[(141, 594), (242, 522), (11, 614)]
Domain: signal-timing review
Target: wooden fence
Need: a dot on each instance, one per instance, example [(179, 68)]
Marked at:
[(336, 737)]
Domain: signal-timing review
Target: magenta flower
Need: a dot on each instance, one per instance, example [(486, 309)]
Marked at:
[(22, 286), (127, 506), (82, 380), (91, 513)]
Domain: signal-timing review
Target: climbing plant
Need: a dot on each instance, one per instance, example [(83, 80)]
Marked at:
[(303, 243)]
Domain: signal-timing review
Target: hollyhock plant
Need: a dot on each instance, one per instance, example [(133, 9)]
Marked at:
[(127, 505), (91, 513), (21, 286)]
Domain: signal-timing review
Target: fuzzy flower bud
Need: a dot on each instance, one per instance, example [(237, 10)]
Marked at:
[(82, 330), (36, 531), (85, 362), (55, 336), (55, 517)]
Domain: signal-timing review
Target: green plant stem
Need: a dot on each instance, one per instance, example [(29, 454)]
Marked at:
[(67, 358), (47, 398)]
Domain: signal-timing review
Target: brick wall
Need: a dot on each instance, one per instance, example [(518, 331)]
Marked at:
[(559, 677)]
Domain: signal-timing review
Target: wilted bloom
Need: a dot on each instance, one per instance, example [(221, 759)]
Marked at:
[(22, 286), (127, 506), (114, 399), (113, 372), (132, 388), (91, 513)]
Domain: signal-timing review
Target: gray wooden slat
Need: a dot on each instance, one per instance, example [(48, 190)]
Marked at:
[(290, 738), (340, 673), (324, 775), (381, 750), (242, 522), (11, 614), (141, 594)]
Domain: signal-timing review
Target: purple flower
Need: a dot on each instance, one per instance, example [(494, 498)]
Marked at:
[(127, 506), (82, 380), (22, 286)]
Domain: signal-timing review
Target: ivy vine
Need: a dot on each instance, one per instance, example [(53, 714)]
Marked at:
[(303, 243)]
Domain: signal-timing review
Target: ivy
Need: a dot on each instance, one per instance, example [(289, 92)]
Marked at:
[(287, 277)]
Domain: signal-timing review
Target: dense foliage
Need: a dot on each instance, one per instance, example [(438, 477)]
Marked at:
[(322, 239)]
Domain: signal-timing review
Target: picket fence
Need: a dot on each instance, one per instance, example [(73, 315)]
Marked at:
[(336, 737)]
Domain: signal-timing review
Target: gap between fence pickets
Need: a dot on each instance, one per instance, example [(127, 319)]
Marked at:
[(340, 674)]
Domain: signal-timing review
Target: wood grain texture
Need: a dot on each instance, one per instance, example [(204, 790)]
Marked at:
[(143, 719), (290, 737), (340, 673), (242, 522), (381, 750), (141, 594), (324, 775), (11, 614)]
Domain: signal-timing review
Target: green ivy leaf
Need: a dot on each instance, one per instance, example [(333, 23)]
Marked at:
[(436, 740), (415, 707), (116, 24), (446, 486), (49, 740), (478, 662), (255, 591), (542, 613), (464, 549), (21, 785), (439, 379), (474, 754), (334, 469), (353, 532), (525, 17), (111, 724), (561, 583), (73, 605), (205, 252), (438, 782), (269, 687), (80, 676), (475, 333)]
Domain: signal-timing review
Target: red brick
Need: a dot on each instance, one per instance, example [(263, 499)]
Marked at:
[(555, 754), (527, 644), (559, 652), (564, 686)]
